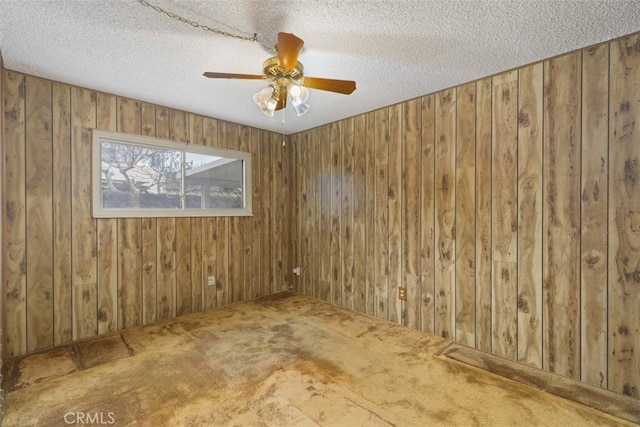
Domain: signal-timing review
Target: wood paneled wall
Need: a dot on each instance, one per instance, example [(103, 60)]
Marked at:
[(509, 209), (69, 276)]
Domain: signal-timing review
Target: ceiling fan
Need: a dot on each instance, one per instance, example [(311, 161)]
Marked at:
[(286, 79)]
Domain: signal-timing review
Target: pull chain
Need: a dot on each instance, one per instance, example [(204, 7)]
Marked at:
[(283, 140)]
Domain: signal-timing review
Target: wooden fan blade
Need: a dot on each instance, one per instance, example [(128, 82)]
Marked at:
[(289, 47), (232, 76), (340, 86)]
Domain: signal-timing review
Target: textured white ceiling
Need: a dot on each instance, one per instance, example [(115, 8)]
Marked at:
[(394, 50)]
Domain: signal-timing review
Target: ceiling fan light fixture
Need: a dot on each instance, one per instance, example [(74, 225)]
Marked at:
[(266, 100), (299, 95), (287, 79)]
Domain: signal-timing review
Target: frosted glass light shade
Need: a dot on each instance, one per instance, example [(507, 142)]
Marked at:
[(299, 96), (265, 100)]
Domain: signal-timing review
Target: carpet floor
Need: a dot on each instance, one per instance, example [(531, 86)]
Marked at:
[(285, 360)]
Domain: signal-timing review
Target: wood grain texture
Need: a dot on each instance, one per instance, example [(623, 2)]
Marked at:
[(84, 239), (484, 122), (359, 263), (235, 233), (62, 227), (165, 241), (561, 224), (428, 251), (284, 269), (107, 235), (504, 220), (179, 131), (530, 215), (381, 242), (325, 215), (88, 277), (346, 242), (538, 255), (585, 116), (411, 210), (129, 234), (594, 222), (465, 224), (335, 215), (39, 213), (265, 215), (149, 227), (395, 212), (370, 221), (129, 273), (197, 281), (624, 217), (209, 227), (255, 289), (445, 212), (246, 227)]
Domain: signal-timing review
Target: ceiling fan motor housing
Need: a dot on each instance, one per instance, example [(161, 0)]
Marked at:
[(281, 76)]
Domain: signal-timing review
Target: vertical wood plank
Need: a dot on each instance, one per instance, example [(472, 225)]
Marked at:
[(253, 235), (561, 223), (395, 304), (427, 215), (594, 227), (265, 236), (166, 242), (445, 210), (335, 244), (246, 228), (624, 217), (346, 215), (209, 226), (222, 239), (84, 241), (236, 245), (283, 272), (14, 232), (381, 243), (484, 155), (465, 214), (39, 214), (183, 266), (370, 212), (504, 223), (325, 214), (197, 282), (62, 309), (292, 162), (106, 116), (179, 131), (129, 235), (149, 230), (530, 215), (306, 213), (411, 209), (359, 184)]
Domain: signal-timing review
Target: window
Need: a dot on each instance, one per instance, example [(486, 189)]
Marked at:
[(138, 176)]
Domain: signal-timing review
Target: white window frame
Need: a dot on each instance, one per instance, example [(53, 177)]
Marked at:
[(100, 137)]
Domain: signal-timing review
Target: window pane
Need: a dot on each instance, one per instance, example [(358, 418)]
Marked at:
[(139, 177), (213, 182)]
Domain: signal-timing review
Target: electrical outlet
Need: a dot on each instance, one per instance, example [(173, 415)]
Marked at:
[(402, 293), (296, 271), (211, 280)]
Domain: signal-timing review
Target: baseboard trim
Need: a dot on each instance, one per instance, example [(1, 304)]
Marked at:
[(606, 401)]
